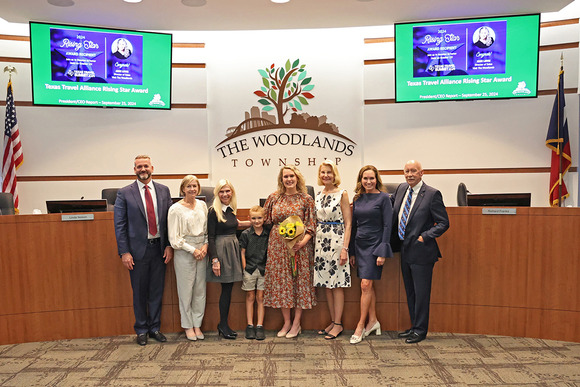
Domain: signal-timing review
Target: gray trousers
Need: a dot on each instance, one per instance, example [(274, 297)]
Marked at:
[(191, 287)]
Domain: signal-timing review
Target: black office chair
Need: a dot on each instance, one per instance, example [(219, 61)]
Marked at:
[(391, 187), (6, 203), (462, 195), (208, 193), (111, 195)]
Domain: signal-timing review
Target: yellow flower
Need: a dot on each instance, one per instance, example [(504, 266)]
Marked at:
[(298, 223), (291, 232), (290, 225), (282, 231)]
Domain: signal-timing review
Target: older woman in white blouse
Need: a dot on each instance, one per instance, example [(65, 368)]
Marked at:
[(187, 226)]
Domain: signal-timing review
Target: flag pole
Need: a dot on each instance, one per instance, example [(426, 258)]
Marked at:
[(10, 69), (12, 158), (560, 139)]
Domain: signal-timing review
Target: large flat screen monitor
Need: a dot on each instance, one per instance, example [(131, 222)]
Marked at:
[(499, 200), (466, 59), (102, 67), (66, 206)]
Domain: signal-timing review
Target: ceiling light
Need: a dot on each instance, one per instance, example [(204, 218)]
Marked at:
[(279, 1), (61, 3), (194, 3), (132, 1)]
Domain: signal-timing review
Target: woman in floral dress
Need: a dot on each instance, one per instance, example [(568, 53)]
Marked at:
[(331, 269), (282, 289)]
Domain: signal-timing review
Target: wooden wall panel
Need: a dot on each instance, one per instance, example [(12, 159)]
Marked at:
[(553, 269), (483, 255), (482, 319), (65, 324), (512, 275), (553, 324), (56, 266)]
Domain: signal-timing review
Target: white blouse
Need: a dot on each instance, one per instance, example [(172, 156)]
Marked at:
[(184, 222)]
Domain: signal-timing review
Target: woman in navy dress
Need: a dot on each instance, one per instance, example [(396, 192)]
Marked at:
[(369, 244)]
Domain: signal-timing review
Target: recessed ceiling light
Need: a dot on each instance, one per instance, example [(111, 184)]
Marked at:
[(194, 3), (132, 1), (279, 1), (61, 3)]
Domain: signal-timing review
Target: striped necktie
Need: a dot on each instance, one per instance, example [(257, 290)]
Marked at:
[(405, 216)]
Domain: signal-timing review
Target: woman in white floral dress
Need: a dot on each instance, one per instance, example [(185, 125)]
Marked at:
[(331, 269)]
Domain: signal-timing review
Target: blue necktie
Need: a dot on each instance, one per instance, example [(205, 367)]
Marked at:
[(406, 210)]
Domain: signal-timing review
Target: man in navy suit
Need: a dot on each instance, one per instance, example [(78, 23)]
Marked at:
[(419, 216), (141, 231)]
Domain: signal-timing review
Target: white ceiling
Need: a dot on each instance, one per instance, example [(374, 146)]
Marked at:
[(172, 15)]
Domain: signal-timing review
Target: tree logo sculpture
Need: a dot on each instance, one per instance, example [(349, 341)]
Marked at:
[(284, 89)]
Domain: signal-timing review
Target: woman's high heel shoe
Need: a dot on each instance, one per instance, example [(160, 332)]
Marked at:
[(376, 328), (200, 336), (293, 335), (282, 332), (323, 332), (330, 336), (225, 334), (190, 335), (357, 339)]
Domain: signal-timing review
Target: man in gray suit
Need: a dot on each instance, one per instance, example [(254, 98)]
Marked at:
[(142, 242), (419, 216)]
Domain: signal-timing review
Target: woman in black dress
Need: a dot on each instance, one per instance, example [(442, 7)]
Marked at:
[(224, 250), (369, 244)]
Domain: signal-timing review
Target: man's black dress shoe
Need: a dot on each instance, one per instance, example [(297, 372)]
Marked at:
[(157, 335), (142, 339), (415, 338), (405, 334), (225, 334)]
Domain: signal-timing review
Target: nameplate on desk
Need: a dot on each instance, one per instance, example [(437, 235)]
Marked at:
[(72, 217), (498, 211)]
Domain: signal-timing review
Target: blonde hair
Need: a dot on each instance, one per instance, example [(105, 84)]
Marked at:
[(329, 163), (300, 183), (259, 209), (217, 203), (359, 190), (185, 182)]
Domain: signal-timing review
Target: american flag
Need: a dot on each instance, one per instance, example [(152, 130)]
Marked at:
[(12, 148)]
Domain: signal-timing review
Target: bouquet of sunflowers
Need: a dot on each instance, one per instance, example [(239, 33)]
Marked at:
[(290, 229)]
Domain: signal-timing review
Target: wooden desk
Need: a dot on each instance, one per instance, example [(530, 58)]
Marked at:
[(515, 275)]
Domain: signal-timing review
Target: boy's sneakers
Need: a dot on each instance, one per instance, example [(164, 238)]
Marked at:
[(251, 332), (260, 334)]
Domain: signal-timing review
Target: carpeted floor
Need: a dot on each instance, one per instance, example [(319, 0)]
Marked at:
[(441, 360)]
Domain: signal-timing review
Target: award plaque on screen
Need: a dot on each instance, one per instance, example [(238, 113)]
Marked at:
[(467, 59), (99, 67)]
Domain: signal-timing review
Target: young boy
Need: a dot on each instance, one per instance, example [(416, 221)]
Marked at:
[(254, 244)]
